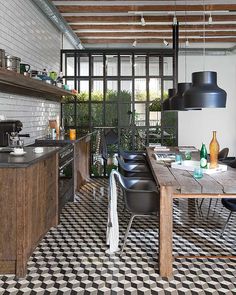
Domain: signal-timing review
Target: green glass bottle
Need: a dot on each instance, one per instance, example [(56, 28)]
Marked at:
[(203, 156)]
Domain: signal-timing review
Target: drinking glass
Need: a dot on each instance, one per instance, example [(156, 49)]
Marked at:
[(197, 173), (188, 155), (178, 159)]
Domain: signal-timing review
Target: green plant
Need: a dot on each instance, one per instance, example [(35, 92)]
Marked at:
[(155, 105)]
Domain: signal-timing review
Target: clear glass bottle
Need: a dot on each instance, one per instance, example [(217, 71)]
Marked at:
[(203, 156)]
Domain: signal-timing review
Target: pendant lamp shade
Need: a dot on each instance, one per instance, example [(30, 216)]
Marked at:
[(204, 92), (166, 103), (177, 101)]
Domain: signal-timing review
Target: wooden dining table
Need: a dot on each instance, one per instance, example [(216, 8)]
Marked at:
[(177, 183)]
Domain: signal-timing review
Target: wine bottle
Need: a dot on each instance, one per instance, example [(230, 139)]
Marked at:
[(203, 156), (214, 151)]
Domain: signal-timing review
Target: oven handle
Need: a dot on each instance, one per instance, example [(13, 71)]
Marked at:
[(66, 163)]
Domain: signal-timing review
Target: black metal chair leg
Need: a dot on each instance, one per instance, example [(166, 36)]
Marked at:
[(209, 208), (225, 224)]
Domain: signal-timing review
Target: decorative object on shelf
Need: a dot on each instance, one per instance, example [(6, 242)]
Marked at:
[(72, 134), (166, 102), (204, 92), (24, 68), (12, 63), (177, 101), (214, 151), (2, 58)]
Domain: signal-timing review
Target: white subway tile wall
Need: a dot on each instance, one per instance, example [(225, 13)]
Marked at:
[(25, 32)]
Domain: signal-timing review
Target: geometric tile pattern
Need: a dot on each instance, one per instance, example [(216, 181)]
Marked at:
[(71, 259)]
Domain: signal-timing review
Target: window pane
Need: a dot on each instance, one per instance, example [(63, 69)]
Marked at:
[(140, 92), (154, 66), (84, 65), (70, 66), (140, 114), (83, 90), (112, 94), (82, 114), (97, 65), (140, 65), (97, 114), (125, 114), (154, 88), (126, 65), (168, 66), (97, 90), (68, 112), (111, 114), (111, 65)]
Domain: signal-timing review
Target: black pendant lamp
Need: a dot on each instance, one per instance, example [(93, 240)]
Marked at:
[(177, 101), (204, 92), (166, 102)]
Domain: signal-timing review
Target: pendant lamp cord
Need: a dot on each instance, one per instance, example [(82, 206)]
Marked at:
[(204, 35)]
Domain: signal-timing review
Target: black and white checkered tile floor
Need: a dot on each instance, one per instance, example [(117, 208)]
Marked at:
[(71, 259)]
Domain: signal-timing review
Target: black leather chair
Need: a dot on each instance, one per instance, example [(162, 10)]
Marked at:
[(141, 198), (223, 154), (229, 204), (130, 169), (133, 157)]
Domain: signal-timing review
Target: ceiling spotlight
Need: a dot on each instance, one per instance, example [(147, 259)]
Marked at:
[(165, 42), (210, 19), (134, 43), (175, 20), (143, 23), (187, 44)]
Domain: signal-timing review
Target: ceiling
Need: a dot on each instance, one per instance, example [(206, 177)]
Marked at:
[(202, 23)]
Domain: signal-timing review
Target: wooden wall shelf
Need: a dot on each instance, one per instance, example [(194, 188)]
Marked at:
[(12, 82)]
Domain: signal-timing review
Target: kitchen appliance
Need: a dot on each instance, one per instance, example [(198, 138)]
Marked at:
[(2, 58), (9, 132), (66, 170), (12, 63)]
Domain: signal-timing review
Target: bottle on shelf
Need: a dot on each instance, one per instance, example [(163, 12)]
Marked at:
[(203, 156), (214, 151)]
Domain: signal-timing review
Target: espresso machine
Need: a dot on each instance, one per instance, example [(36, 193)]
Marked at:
[(9, 133)]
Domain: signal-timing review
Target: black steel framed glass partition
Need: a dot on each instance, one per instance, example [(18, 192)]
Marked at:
[(122, 91)]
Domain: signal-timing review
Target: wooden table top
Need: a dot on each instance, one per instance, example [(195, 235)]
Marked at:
[(183, 182)]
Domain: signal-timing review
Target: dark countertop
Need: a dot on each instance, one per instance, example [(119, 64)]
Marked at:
[(63, 139), (10, 161)]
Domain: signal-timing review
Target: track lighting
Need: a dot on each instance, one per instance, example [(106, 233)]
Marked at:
[(210, 19), (143, 23), (166, 43), (175, 20), (134, 43)]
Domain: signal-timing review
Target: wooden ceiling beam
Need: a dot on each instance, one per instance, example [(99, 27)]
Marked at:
[(156, 18), (154, 34), (126, 8), (143, 41), (153, 27)]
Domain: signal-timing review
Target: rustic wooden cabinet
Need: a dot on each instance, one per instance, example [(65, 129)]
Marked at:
[(28, 209)]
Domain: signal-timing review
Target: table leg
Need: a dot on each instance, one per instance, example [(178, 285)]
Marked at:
[(165, 232)]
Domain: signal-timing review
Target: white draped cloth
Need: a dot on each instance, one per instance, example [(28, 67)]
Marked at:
[(112, 224)]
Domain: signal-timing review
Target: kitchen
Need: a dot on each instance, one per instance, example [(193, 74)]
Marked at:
[(26, 32)]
